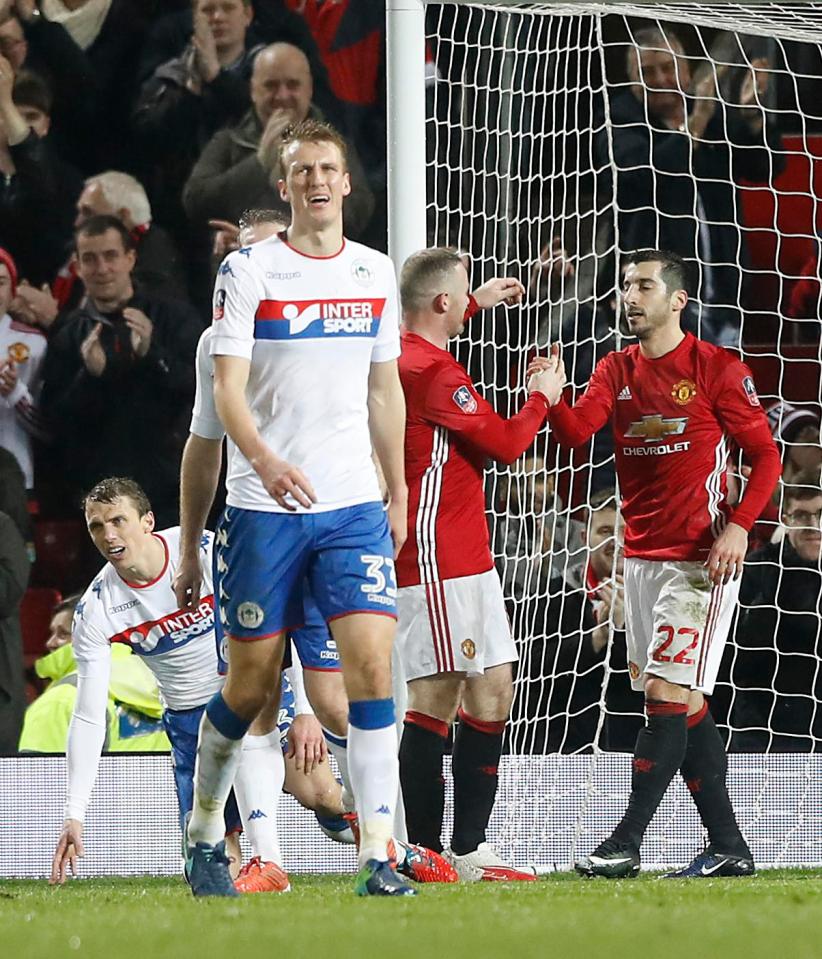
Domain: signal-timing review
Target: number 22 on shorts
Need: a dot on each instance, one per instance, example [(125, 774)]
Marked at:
[(660, 653)]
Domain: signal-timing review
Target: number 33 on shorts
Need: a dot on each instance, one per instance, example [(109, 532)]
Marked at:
[(381, 587)]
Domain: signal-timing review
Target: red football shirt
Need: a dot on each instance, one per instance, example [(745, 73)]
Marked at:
[(672, 419), (450, 432)]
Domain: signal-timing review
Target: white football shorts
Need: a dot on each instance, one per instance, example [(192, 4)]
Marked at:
[(676, 622), (456, 625)]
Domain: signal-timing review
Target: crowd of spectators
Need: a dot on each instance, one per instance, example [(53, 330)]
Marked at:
[(134, 134)]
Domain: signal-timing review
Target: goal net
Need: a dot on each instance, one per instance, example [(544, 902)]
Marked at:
[(560, 136)]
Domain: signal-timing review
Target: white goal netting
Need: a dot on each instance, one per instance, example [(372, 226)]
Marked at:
[(560, 136)]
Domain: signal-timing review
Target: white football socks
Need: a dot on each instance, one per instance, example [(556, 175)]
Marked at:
[(217, 760), (375, 778), (258, 786)]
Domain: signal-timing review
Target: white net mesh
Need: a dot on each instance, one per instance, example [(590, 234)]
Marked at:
[(559, 137)]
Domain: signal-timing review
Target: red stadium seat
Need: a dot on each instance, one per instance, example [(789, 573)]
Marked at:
[(35, 616), (62, 555)]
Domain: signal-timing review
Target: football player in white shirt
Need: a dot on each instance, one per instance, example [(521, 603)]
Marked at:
[(305, 340), (132, 601), (312, 644)]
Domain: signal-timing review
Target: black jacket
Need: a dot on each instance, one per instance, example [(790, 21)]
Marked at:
[(776, 667), (658, 173), (14, 575), (132, 420)]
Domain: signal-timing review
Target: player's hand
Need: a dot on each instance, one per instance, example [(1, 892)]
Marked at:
[(550, 381), (503, 289), (8, 378), (187, 582), (727, 555), (141, 329), (92, 352), (282, 480), (306, 743), (69, 850), (397, 514)]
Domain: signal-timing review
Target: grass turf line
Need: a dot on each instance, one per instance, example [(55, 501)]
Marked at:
[(561, 916)]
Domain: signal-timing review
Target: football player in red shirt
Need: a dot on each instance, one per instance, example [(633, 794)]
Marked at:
[(453, 635), (674, 403)]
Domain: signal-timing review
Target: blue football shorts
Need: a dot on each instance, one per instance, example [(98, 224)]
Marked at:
[(266, 564)]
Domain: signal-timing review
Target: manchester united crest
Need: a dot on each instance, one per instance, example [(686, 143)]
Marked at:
[(683, 392), (633, 670), (19, 352), (469, 648)]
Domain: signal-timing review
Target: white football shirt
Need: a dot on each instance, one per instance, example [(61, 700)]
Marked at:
[(178, 646), (311, 328)]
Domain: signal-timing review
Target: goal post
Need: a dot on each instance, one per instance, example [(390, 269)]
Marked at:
[(518, 145)]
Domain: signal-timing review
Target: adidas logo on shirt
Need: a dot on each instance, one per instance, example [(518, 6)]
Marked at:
[(624, 394)]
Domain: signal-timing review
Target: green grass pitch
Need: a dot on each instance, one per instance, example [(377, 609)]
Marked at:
[(777, 915)]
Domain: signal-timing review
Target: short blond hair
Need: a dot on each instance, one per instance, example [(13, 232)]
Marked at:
[(310, 131)]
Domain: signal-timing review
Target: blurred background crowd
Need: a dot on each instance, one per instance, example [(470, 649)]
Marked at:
[(134, 135)]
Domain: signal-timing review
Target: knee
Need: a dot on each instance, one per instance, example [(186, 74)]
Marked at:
[(661, 691), (332, 712), (372, 680), (246, 698)]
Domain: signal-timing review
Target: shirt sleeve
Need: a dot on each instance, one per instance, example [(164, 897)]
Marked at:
[(739, 411), (573, 426), (87, 730), (294, 673), (451, 401), (387, 342), (204, 419), (238, 293)]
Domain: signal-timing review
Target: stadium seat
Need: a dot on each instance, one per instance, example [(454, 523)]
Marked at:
[(35, 616), (62, 555)]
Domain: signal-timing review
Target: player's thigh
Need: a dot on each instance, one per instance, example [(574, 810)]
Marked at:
[(260, 561), (642, 584), (489, 697), (352, 565), (353, 582), (254, 671), (365, 641), (691, 623), (454, 626), (438, 696), (317, 651)]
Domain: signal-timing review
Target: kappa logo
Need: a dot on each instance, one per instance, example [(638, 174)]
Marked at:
[(655, 427), (307, 319), (465, 400), (225, 269)]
